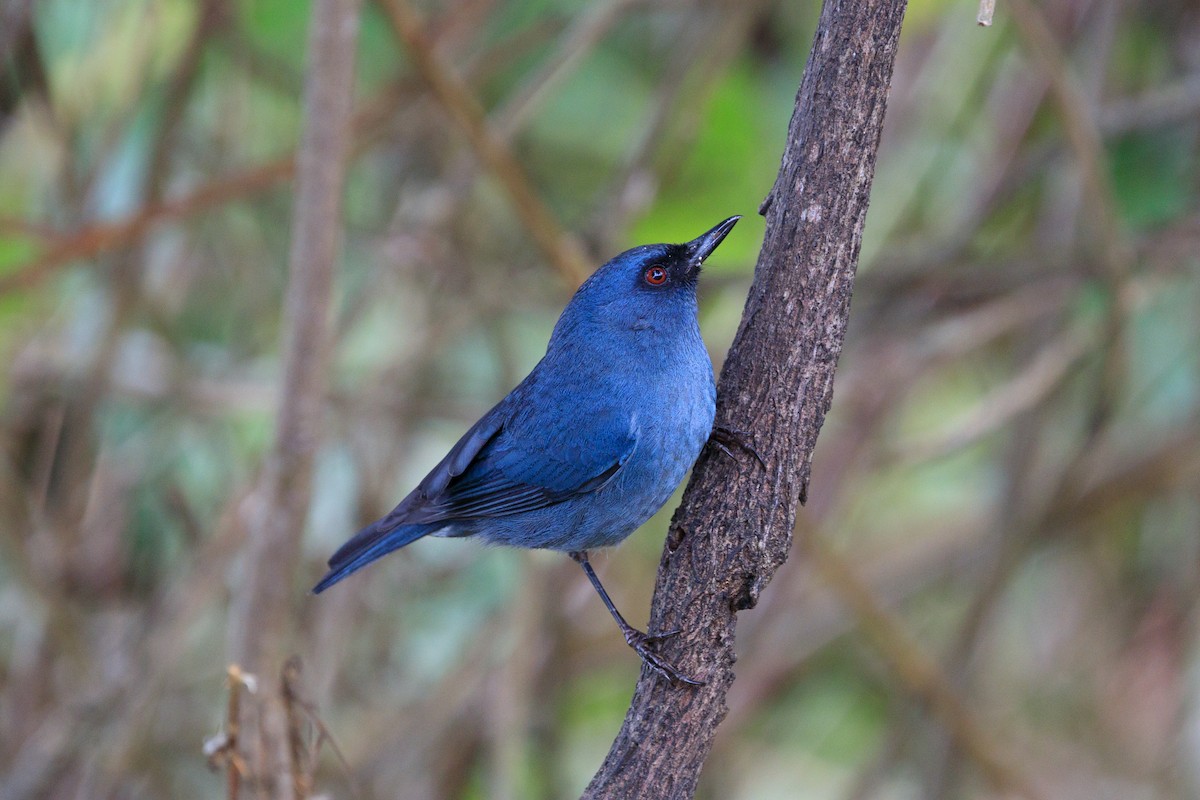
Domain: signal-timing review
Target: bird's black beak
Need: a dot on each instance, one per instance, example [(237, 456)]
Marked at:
[(702, 246)]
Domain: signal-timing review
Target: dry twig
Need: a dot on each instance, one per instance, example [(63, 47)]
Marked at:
[(102, 237), (987, 8), (561, 249), (260, 615), (918, 673)]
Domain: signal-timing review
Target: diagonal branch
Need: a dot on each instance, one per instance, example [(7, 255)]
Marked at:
[(105, 236), (734, 527), (577, 42), (920, 675), (1114, 250), (561, 249), (62, 248)]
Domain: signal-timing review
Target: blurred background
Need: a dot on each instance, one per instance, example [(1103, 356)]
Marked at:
[(1008, 485)]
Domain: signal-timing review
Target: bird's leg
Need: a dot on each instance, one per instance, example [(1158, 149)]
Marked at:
[(724, 438), (644, 644)]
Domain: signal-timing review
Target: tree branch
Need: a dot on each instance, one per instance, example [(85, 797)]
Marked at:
[(259, 620), (560, 248), (920, 675), (101, 237), (734, 527)]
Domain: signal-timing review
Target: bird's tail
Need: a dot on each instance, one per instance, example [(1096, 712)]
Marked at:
[(372, 542)]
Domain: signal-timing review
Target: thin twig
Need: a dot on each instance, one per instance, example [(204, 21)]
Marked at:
[(1113, 248), (302, 758), (296, 702), (29, 229), (92, 240), (260, 618), (919, 674), (66, 247), (559, 247), (1083, 134), (1021, 392), (577, 41), (987, 8), (222, 750), (1175, 103)]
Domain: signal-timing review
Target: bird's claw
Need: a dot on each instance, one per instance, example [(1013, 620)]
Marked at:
[(632, 636), (656, 638), (724, 438), (645, 645)]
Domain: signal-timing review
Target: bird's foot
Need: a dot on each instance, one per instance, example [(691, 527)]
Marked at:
[(646, 646), (725, 438)]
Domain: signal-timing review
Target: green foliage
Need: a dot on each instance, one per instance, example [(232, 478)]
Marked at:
[(728, 169), (1154, 177)]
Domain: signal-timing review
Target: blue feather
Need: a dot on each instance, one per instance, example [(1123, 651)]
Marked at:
[(594, 441), (369, 544)]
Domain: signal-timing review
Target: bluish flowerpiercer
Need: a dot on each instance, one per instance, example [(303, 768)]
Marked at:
[(595, 439)]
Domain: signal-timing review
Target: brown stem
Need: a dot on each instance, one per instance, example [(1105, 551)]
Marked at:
[(259, 619), (560, 248), (734, 528), (105, 236), (920, 675)]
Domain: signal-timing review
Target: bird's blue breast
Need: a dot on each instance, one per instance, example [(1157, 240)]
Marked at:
[(649, 401)]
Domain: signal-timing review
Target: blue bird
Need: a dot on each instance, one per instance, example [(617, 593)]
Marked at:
[(595, 439)]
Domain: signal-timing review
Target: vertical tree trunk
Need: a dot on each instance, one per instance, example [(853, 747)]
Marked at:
[(278, 508), (734, 527)]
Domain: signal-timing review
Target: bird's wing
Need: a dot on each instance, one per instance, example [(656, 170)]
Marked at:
[(464, 452), (510, 469), (402, 524), (519, 457)]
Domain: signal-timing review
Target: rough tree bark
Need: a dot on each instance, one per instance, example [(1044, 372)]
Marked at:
[(734, 526), (277, 510)]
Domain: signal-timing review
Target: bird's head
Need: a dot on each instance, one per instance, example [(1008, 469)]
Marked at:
[(649, 287)]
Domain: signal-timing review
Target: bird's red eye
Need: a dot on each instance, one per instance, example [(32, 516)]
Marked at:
[(656, 276)]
